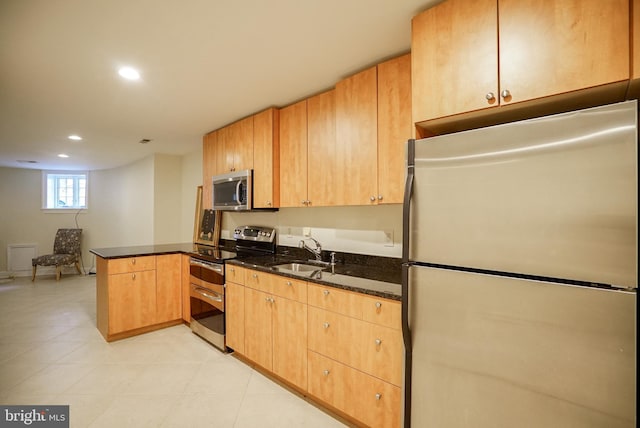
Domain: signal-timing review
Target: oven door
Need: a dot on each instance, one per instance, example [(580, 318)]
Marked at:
[(207, 313)]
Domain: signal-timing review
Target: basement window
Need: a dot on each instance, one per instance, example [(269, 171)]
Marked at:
[(64, 190)]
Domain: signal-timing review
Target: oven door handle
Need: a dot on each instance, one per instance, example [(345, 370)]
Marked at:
[(205, 293), (214, 267)]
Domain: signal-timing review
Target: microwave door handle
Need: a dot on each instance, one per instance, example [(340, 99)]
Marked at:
[(238, 192)]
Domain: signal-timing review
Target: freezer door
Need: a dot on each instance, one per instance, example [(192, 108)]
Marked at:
[(500, 352), (553, 197)]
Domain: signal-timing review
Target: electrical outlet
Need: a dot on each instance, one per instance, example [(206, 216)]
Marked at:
[(306, 231), (388, 238)]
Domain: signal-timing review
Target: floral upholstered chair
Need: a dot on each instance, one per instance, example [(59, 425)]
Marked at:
[(66, 251)]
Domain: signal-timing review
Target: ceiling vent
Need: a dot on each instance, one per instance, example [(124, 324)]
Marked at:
[(144, 141)]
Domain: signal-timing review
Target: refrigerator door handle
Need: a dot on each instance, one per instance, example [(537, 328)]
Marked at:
[(406, 332)]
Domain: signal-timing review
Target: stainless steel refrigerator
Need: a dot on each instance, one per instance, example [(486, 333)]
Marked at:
[(520, 274)]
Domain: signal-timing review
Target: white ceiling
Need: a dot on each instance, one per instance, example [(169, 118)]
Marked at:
[(204, 63)]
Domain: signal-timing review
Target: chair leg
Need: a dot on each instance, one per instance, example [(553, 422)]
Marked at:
[(78, 268), (58, 272), (33, 274)]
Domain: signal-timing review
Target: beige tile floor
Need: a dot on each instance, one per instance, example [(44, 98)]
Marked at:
[(52, 353)]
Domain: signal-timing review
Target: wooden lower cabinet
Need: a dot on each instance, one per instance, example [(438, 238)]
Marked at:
[(234, 313), (138, 294), (364, 397), (342, 348), (276, 335), (132, 300), (168, 287)]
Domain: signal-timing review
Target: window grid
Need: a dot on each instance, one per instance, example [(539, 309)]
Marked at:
[(65, 190)]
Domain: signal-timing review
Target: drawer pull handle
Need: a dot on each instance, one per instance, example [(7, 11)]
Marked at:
[(326, 372), (378, 305), (378, 396), (378, 342), (326, 292), (326, 325), (289, 283), (133, 276), (133, 261)]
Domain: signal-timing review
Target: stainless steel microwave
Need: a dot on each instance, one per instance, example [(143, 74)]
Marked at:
[(233, 191)]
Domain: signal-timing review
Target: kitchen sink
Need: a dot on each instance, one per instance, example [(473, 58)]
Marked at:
[(297, 267)]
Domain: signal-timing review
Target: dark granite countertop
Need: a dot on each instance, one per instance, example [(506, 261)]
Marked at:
[(377, 276), (142, 250)]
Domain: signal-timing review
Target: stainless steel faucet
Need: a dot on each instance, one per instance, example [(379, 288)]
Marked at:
[(315, 251)]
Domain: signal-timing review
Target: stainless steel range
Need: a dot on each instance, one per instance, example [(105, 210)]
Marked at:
[(207, 285)]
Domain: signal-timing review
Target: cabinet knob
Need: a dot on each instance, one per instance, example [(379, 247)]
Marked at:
[(133, 261), (133, 276), (303, 202), (255, 275), (378, 342), (289, 283), (378, 396), (326, 292), (505, 93), (268, 203), (378, 305), (379, 197), (326, 372), (266, 299), (372, 198), (308, 202), (490, 96), (232, 270), (325, 325)]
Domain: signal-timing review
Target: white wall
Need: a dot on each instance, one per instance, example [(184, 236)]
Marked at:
[(152, 201), (374, 230), (138, 204)]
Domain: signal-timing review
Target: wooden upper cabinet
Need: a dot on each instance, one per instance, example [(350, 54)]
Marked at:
[(209, 168), (550, 47), (635, 39), (394, 127), (235, 146), (321, 147), (293, 155), (454, 58), (266, 159), (357, 139), (242, 144), (469, 56)]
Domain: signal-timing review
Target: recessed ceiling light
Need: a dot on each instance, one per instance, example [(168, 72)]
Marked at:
[(62, 155), (129, 73), (74, 137)]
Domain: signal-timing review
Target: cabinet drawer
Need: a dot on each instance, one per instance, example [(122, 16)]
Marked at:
[(289, 288), (335, 300), (234, 274), (370, 400), (258, 280), (382, 311), (368, 347), (131, 264)]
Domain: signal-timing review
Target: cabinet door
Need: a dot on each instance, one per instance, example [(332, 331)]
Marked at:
[(293, 155), (209, 169), (258, 345), (321, 146), (224, 150), (242, 143), (168, 287), (290, 341), (266, 159), (234, 312), (555, 46), (186, 289), (357, 139), (132, 300), (394, 127), (454, 58)]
